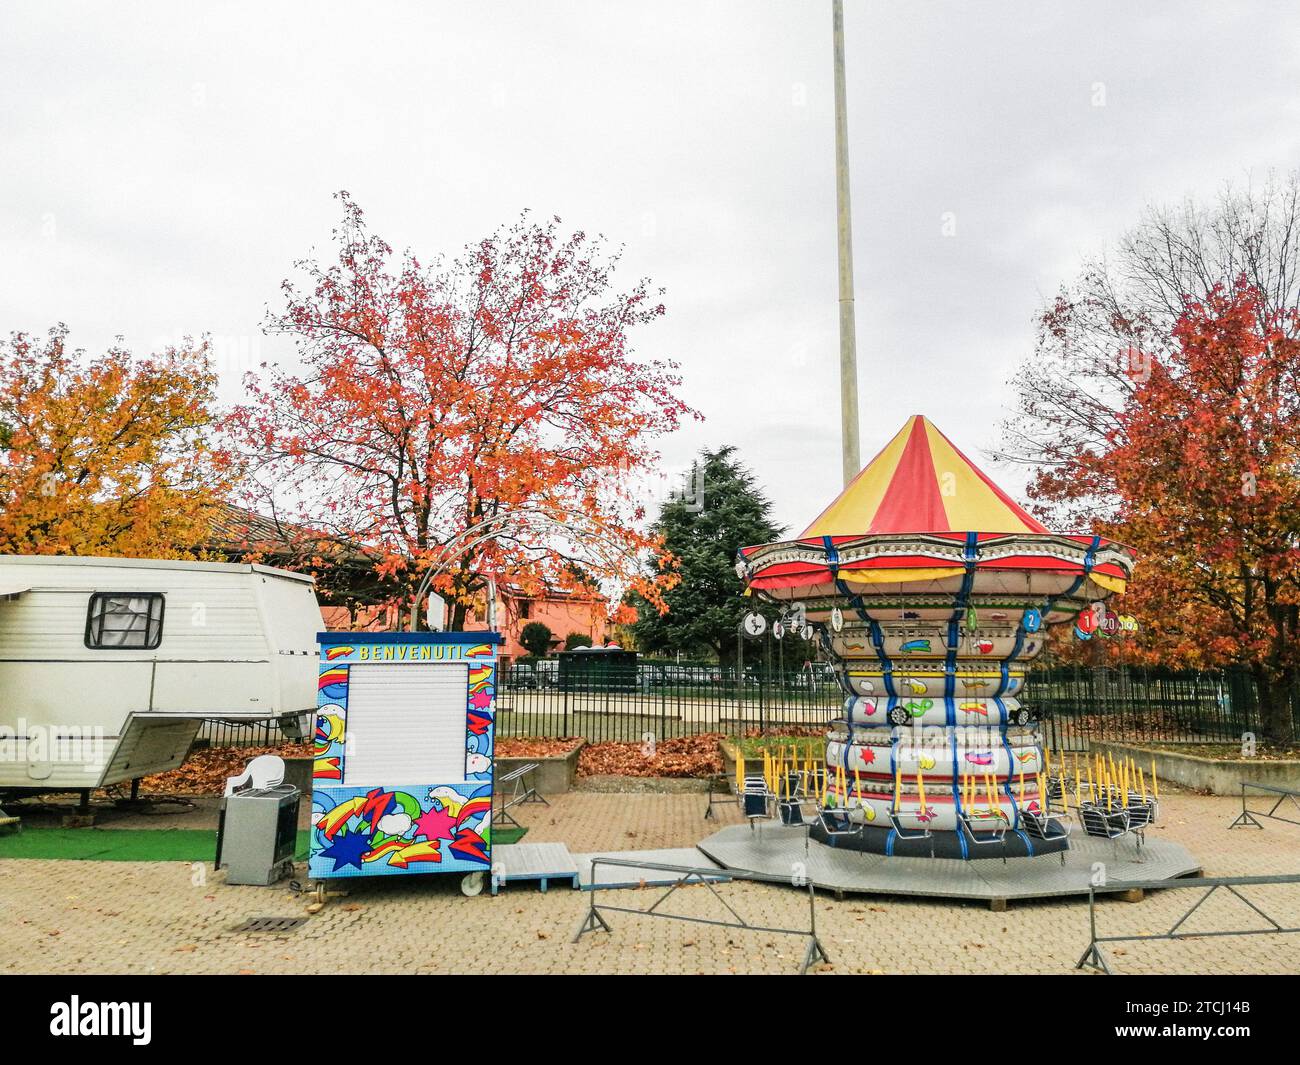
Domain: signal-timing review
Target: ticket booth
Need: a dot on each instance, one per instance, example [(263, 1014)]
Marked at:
[(402, 780)]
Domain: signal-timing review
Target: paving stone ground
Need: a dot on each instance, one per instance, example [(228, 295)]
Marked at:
[(108, 917)]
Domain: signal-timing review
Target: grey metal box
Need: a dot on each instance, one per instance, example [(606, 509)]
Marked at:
[(257, 833)]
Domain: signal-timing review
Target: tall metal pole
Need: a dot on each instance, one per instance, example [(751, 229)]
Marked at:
[(848, 331)]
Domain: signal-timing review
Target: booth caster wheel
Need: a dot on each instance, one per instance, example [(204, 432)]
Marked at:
[(471, 884)]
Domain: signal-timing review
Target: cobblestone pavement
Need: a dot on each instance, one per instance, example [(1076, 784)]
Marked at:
[(65, 916)]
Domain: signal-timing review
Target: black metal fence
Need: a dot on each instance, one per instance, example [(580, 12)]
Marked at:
[(666, 700), (663, 699), (272, 733), (1081, 704)]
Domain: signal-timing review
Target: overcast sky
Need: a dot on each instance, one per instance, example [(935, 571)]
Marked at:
[(162, 165)]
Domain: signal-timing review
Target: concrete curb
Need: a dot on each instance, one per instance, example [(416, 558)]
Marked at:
[(1218, 776)]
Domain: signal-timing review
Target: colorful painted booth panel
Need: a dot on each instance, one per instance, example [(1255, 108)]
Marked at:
[(404, 828), (403, 753)]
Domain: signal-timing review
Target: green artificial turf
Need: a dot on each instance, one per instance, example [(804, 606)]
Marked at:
[(502, 836), (119, 844), (143, 844)]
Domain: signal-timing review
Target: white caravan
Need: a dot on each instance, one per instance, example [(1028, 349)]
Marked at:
[(108, 666)]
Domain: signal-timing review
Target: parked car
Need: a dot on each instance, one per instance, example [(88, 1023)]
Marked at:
[(532, 674)]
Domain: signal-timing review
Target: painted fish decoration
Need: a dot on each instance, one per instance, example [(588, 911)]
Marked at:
[(915, 645), (980, 757)]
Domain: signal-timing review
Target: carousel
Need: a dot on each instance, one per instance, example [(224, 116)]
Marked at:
[(931, 590)]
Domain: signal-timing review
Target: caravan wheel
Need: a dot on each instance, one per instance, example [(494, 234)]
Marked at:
[(471, 884)]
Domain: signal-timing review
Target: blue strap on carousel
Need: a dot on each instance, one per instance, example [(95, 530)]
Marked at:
[(971, 557), (844, 761), (1089, 560), (1016, 648), (886, 665), (1006, 787), (1011, 758), (1015, 824), (833, 562), (855, 601), (958, 808), (893, 775), (1011, 761)]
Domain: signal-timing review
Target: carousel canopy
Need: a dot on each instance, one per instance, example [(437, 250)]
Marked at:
[(919, 483), (922, 523)]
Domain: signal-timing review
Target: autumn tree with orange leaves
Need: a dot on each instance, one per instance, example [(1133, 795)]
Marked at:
[(1203, 466), (106, 455), (481, 417)]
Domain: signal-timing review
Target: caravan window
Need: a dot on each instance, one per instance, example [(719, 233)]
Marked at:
[(124, 620)]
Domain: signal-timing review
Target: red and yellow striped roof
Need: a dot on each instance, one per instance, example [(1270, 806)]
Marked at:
[(921, 483)]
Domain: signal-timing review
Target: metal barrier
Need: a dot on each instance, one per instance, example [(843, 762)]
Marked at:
[(813, 952), (1248, 817), (1095, 958)]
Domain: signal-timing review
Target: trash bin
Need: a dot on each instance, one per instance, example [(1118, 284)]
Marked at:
[(257, 833)]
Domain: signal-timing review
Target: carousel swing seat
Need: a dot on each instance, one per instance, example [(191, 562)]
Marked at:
[(996, 838), (1047, 827), (836, 823), (909, 834), (756, 800), (1112, 824)]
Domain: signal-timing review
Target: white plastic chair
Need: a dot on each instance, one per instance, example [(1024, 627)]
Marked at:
[(264, 771)]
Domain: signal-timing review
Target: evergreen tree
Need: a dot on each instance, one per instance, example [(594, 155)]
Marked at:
[(721, 511)]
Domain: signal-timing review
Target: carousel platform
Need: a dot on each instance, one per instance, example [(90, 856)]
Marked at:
[(780, 850)]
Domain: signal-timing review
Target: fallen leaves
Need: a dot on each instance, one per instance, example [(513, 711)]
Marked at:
[(206, 770), (683, 756), (535, 747)]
